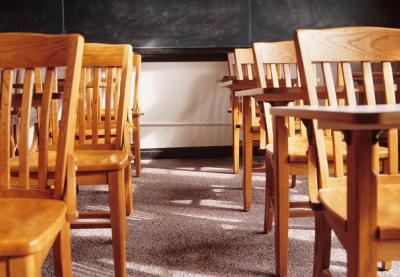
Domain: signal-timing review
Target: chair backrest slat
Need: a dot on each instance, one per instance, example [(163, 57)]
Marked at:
[(44, 119), (81, 107), (96, 102), (24, 130), (116, 93), (368, 83), (349, 83), (5, 126), (109, 95)]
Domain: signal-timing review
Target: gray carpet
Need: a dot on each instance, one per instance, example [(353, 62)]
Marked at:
[(188, 222)]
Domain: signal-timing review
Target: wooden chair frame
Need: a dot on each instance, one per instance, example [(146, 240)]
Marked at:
[(270, 57), (357, 227), (26, 190), (117, 172)]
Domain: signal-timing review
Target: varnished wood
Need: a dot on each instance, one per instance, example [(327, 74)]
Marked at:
[(95, 166), (252, 130), (283, 90), (99, 140), (32, 223), (134, 116), (363, 209)]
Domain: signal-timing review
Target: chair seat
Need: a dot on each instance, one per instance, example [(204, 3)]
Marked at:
[(334, 200), (27, 225), (298, 153), (86, 160)]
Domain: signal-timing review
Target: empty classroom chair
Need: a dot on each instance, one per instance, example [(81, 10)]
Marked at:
[(100, 158), (99, 153), (270, 57), (366, 220), (33, 213)]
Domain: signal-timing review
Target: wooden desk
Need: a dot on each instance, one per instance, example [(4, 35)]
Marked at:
[(355, 119)]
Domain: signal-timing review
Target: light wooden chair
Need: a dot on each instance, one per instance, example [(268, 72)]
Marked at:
[(99, 153), (246, 70), (33, 214), (273, 58), (132, 133), (365, 219)]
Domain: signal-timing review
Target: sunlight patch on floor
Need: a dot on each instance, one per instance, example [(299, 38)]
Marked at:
[(183, 201), (229, 227), (207, 217), (189, 173), (219, 204), (91, 270), (157, 270)]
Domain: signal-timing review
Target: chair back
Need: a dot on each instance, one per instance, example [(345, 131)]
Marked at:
[(24, 52), (348, 47), (104, 87), (271, 59), (244, 60)]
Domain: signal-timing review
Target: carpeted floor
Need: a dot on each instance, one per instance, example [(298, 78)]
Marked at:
[(188, 222)]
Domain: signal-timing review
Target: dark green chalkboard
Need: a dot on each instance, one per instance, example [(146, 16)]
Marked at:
[(201, 28)]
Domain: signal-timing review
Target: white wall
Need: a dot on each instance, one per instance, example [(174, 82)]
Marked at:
[(183, 105)]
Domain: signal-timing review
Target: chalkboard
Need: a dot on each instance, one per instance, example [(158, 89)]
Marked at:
[(274, 20), (161, 23), (205, 29), (38, 16)]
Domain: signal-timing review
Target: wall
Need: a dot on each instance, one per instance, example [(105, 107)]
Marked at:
[(184, 106)]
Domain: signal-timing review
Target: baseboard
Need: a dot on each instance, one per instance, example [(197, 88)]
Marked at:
[(190, 152)]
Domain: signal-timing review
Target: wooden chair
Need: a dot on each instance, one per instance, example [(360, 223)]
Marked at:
[(270, 57), (294, 158), (134, 114), (235, 110), (33, 213), (99, 153), (365, 218), (246, 70), (253, 131)]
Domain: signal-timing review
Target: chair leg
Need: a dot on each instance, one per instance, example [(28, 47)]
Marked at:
[(128, 190), (136, 147), (118, 220), (27, 266), (269, 182), (235, 133), (247, 153), (62, 252), (322, 245)]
